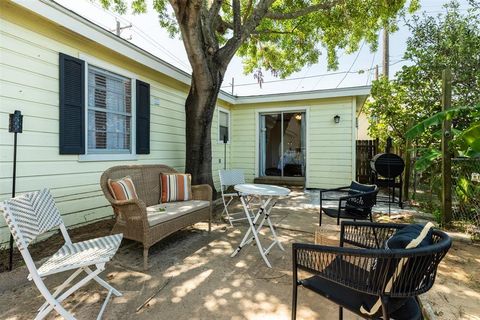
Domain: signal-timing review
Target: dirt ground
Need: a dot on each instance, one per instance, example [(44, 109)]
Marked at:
[(192, 276)]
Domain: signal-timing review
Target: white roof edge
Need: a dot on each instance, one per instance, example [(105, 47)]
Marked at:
[(80, 25), (305, 95)]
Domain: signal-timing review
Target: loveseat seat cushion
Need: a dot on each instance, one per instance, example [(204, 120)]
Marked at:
[(173, 210)]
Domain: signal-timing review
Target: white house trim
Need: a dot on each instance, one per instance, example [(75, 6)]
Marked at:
[(76, 23), (296, 96), (89, 60)]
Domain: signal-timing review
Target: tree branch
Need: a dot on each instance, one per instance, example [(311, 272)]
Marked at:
[(258, 32), (247, 10), (237, 22), (275, 15)]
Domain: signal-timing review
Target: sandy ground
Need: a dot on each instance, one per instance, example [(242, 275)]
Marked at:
[(193, 277)]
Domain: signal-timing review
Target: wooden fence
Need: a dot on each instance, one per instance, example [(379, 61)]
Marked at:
[(366, 149)]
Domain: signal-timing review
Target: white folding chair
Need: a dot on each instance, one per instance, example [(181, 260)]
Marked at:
[(230, 178), (35, 213)]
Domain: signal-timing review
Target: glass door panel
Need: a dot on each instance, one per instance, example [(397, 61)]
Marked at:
[(282, 144), (270, 144), (293, 146)]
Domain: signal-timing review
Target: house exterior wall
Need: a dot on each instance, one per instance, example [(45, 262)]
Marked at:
[(362, 127), (29, 81), (330, 159)]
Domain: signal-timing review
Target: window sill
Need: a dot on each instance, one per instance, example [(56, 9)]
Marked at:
[(107, 157), (221, 142)]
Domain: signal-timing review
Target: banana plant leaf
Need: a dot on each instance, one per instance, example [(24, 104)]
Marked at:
[(427, 159), (436, 119), (472, 137)]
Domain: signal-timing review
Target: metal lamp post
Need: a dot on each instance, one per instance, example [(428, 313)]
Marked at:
[(225, 141), (15, 125)]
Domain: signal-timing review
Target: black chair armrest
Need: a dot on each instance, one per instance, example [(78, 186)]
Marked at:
[(340, 189), (350, 267), (369, 235), (358, 195)]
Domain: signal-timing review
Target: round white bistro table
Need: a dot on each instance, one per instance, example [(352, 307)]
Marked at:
[(267, 194)]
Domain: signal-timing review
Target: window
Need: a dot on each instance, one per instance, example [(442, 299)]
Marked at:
[(109, 119), (223, 126)]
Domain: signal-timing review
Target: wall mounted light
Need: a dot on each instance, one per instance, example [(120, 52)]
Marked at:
[(336, 119)]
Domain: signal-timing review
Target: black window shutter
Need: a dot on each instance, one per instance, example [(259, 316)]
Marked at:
[(72, 105), (143, 117)]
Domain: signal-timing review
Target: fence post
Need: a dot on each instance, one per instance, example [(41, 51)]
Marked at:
[(408, 165), (446, 157)]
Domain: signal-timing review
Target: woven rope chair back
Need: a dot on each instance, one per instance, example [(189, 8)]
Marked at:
[(31, 215), (420, 267)]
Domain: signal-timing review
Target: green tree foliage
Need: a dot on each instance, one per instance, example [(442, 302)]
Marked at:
[(447, 40), (277, 35)]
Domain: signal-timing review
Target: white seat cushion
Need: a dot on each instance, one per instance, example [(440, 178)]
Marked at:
[(173, 210), (81, 254)]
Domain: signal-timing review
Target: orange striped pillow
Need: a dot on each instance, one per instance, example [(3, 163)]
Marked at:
[(122, 189), (176, 187)]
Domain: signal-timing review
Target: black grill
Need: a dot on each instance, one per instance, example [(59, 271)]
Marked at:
[(387, 165)]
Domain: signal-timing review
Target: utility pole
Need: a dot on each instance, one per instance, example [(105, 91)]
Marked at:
[(118, 29), (376, 72), (386, 49), (233, 84), (446, 159)]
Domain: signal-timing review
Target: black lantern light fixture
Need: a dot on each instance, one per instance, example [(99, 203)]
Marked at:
[(336, 119), (15, 125)]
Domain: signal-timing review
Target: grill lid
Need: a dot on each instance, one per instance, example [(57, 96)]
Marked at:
[(388, 165)]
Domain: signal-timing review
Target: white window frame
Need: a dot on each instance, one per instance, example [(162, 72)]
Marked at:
[(89, 60), (220, 109)]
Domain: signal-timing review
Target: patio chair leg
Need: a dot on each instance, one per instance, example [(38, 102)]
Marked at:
[(294, 301), (385, 308), (340, 313), (145, 258), (51, 303), (56, 303), (104, 284), (61, 287)]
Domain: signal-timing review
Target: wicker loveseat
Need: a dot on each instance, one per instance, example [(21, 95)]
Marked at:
[(139, 220)]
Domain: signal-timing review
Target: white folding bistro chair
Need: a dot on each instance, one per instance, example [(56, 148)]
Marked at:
[(230, 178), (35, 213)]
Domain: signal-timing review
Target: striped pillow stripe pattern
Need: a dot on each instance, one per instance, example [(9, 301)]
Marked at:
[(122, 189), (176, 187)]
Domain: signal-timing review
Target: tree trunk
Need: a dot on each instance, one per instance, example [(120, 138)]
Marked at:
[(199, 109)]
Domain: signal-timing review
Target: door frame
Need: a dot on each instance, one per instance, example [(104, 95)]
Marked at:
[(258, 113)]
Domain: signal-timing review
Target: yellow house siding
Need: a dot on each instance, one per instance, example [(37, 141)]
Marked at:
[(243, 152), (29, 82), (329, 145)]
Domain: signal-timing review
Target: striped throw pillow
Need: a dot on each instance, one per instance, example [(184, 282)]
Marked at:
[(122, 189), (176, 187)]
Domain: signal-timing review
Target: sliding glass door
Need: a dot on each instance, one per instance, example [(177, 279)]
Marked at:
[(282, 144)]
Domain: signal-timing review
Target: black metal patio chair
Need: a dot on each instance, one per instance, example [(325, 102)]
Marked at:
[(384, 282), (355, 204)]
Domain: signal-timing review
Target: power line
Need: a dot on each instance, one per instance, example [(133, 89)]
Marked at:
[(312, 76), (351, 66), (371, 68), (143, 35)]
